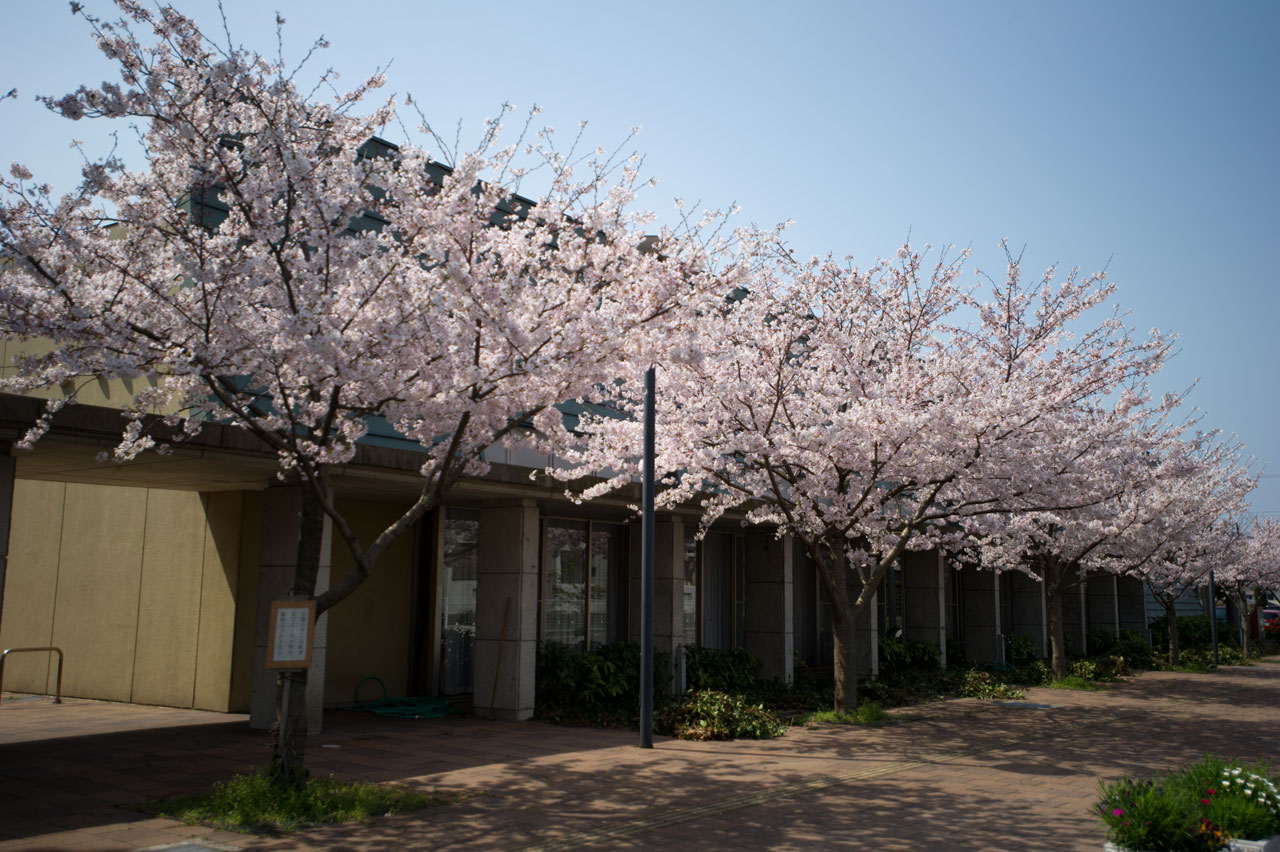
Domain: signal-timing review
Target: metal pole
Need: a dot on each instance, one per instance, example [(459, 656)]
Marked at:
[(646, 570), (1213, 618)]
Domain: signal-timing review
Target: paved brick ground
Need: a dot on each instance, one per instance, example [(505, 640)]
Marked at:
[(955, 775)]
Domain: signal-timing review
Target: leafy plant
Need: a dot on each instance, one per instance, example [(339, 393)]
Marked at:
[(1193, 633), (868, 713), (980, 684), (709, 714), (902, 655), (1133, 646), (250, 803), (1100, 642), (725, 671), (1020, 650), (1200, 807), (599, 687), (1073, 681), (1085, 669)]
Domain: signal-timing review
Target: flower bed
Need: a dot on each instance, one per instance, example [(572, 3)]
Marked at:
[(1213, 804)]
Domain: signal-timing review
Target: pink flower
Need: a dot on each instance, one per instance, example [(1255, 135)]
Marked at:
[(1117, 812)]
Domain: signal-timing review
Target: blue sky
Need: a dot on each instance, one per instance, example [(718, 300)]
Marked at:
[(1142, 136)]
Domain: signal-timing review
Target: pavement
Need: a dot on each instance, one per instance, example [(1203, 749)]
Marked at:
[(954, 775)]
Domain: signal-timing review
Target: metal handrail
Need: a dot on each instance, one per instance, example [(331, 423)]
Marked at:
[(57, 697)]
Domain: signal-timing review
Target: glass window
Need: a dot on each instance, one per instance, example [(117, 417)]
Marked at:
[(585, 597), (565, 561), (458, 609), (724, 591)]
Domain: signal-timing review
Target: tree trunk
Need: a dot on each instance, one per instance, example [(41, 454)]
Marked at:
[(844, 638), (1057, 631), (1246, 623), (287, 765), (1171, 616)]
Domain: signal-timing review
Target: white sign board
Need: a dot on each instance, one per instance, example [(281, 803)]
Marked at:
[(292, 631)]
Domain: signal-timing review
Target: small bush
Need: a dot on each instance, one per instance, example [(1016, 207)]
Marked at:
[(249, 803), (980, 684), (600, 687), (1100, 642), (1110, 668), (1202, 806), (1084, 669), (1020, 650), (724, 671), (712, 715), (907, 655), (1035, 673), (1193, 633), (1072, 681), (871, 713), (868, 713), (1133, 646)]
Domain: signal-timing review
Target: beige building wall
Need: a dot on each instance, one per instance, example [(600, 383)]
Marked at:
[(89, 390), (137, 586), (370, 632)]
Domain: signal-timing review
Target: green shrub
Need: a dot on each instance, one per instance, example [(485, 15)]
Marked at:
[(907, 655), (709, 714), (871, 713), (1020, 650), (1133, 646), (601, 686), (1110, 668), (1200, 807), (1035, 673), (249, 803), (1084, 669), (1193, 633), (725, 671), (1100, 642), (868, 713), (981, 684), (1072, 681)]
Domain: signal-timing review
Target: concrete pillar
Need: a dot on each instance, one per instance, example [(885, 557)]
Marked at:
[(1102, 606), (944, 607), (278, 557), (1131, 605), (668, 587), (1028, 609), (981, 601), (925, 605), (769, 632), (8, 467), (506, 654), (866, 628)]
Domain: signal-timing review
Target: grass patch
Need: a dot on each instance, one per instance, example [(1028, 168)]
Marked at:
[(868, 713), (247, 803), (1072, 681)]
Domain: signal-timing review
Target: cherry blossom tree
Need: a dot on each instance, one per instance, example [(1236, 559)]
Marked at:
[(271, 267), (852, 409), (1251, 566), (1164, 496)]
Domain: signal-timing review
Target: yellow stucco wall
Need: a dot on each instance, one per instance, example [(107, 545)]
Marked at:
[(31, 582), (137, 586), (370, 632), (89, 390)]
